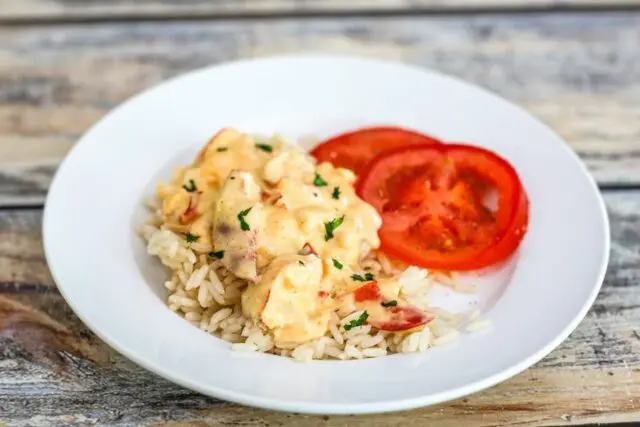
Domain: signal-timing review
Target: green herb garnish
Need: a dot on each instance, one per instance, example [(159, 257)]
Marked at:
[(337, 264), (192, 238), (357, 322), (318, 181), (265, 147), (330, 227), (243, 224), (367, 277), (300, 262), (391, 303), (218, 254), (336, 193), (221, 149), (191, 187)]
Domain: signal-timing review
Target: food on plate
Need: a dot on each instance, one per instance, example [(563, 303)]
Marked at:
[(275, 252), (353, 150), (436, 205)]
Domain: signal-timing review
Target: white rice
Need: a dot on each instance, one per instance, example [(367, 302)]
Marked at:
[(208, 296), (478, 325), (447, 338), (303, 353), (244, 347)]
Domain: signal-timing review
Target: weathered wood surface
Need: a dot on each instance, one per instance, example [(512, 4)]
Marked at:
[(53, 371), (580, 73), (34, 10)]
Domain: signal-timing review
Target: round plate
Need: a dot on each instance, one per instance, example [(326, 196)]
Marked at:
[(104, 273)]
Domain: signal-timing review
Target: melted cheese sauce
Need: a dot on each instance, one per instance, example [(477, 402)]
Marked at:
[(269, 207)]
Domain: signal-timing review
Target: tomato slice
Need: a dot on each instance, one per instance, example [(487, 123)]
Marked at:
[(353, 150), (435, 205), (402, 318), (386, 316), (368, 292)]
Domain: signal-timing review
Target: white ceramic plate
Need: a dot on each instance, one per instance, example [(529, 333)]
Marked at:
[(102, 269)]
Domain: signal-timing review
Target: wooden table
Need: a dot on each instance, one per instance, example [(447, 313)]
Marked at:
[(575, 64)]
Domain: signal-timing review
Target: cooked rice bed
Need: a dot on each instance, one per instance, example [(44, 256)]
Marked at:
[(207, 295)]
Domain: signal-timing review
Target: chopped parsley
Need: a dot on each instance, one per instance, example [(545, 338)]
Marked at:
[(357, 322), (300, 262), (192, 238), (191, 187), (367, 277), (337, 264), (330, 227), (218, 254), (336, 193), (265, 147), (221, 149), (318, 181), (391, 303), (244, 225)]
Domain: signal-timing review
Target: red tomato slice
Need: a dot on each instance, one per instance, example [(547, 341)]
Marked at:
[(353, 150), (434, 207), (368, 292), (399, 317), (511, 239), (192, 212), (402, 318)]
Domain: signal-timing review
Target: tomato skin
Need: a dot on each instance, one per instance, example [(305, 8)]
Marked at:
[(495, 239), (511, 239), (353, 150)]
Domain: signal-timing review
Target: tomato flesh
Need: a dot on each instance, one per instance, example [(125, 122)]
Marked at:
[(353, 150), (433, 203), (399, 317), (368, 292), (403, 318)]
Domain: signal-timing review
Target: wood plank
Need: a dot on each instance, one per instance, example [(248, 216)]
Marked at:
[(54, 372), (38, 10), (577, 72)]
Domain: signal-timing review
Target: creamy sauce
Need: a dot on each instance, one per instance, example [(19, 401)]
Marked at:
[(281, 221)]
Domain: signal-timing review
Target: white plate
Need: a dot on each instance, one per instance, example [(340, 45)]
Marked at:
[(102, 269)]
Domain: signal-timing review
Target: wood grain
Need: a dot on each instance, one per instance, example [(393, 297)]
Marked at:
[(54, 372), (30, 10), (580, 73)]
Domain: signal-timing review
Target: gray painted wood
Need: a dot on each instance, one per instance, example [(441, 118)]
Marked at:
[(29, 10), (54, 372), (580, 73)]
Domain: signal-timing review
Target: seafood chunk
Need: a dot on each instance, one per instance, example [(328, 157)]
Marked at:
[(236, 224), (290, 299)]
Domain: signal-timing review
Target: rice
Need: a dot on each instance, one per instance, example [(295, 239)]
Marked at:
[(196, 278), (335, 332), (207, 295), (244, 347), (447, 338), (374, 352), (303, 353), (334, 352), (170, 285)]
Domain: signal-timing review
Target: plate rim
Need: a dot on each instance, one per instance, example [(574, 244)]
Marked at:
[(333, 408)]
